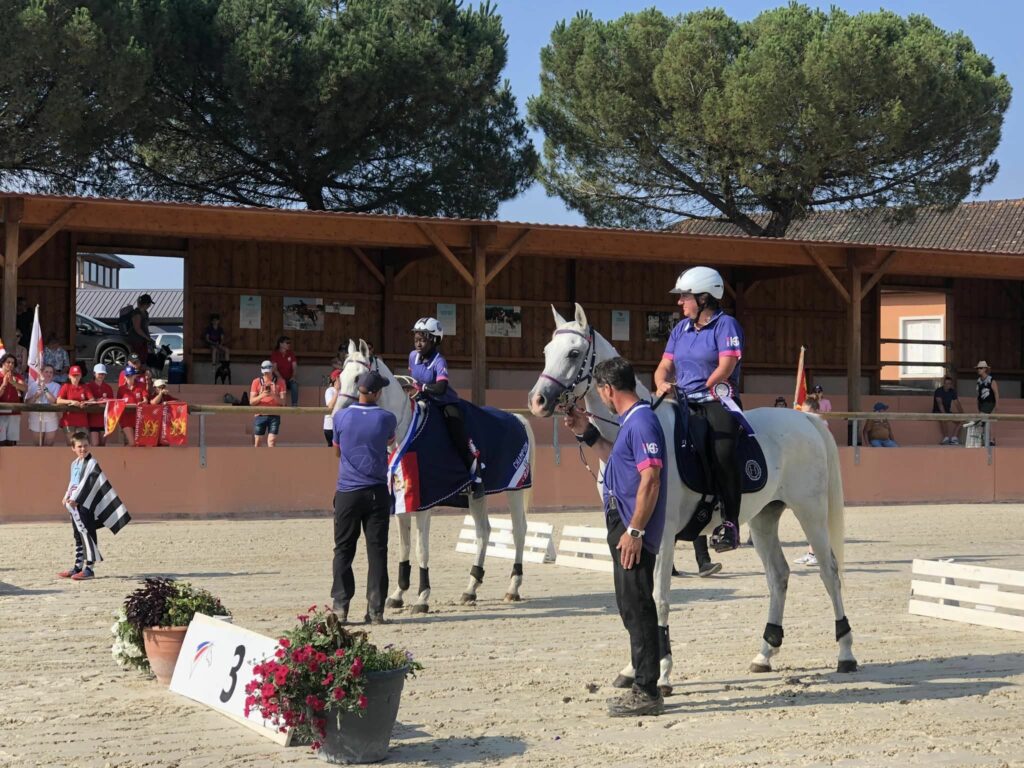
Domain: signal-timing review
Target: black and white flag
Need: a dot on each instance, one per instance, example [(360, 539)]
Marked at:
[(95, 495)]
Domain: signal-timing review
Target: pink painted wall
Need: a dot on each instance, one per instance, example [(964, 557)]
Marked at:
[(897, 305)]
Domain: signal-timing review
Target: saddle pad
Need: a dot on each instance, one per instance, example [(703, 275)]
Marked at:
[(754, 469), (426, 471)]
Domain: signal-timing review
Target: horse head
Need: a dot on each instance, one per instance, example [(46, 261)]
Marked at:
[(357, 361), (568, 365)]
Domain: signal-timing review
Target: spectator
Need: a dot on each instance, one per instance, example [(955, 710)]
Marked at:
[(75, 394), (286, 367), (330, 398), (878, 432), (811, 405), (988, 393), (824, 404), (43, 424), (133, 391), (54, 354), (25, 317), (213, 337), (20, 355), (99, 392), (267, 389), (946, 400), (160, 393), (780, 402), (139, 337), (12, 390)]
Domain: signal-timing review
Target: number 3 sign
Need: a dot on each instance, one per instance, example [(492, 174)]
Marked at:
[(214, 666)]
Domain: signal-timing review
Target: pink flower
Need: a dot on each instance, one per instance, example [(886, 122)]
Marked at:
[(362, 702), (281, 676), (280, 652), (284, 642), (357, 667), (303, 618), (316, 746), (339, 693), (314, 703), (250, 701), (340, 652), (247, 710), (321, 657), (268, 691), (312, 608), (327, 680)]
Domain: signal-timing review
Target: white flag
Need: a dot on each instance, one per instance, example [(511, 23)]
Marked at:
[(35, 350)]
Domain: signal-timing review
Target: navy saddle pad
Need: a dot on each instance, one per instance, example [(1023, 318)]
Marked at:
[(690, 436)]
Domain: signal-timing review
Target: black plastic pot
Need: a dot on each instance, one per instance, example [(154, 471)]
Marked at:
[(365, 739)]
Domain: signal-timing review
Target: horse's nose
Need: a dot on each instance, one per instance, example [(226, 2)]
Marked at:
[(537, 403)]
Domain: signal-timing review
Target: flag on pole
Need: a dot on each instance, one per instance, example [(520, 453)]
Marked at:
[(35, 350), (112, 415), (800, 393), (148, 419)]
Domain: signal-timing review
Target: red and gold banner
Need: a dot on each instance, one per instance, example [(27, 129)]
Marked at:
[(112, 412), (148, 419), (175, 425)]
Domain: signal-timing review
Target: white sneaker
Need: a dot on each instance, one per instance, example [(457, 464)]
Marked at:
[(808, 558), (945, 441), (954, 441)]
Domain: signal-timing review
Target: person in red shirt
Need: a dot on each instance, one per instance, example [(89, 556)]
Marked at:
[(12, 390), (268, 389), (134, 391), (99, 392), (74, 393), (286, 366)]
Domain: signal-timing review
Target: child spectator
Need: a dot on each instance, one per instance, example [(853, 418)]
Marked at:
[(213, 337), (330, 398), (99, 392), (12, 390), (134, 391), (20, 354), (824, 404), (44, 392), (75, 394), (780, 402), (286, 366), (54, 354), (160, 393)]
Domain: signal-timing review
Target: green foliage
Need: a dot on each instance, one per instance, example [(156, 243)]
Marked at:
[(649, 118), (169, 603), (364, 105), (128, 649)]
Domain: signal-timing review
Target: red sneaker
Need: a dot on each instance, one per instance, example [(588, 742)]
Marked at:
[(83, 575), (69, 573)]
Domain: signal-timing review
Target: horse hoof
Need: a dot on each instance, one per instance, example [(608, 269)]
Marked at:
[(847, 666), (622, 682), (468, 599), (421, 608), (512, 598), (393, 603), (665, 690), (760, 668)]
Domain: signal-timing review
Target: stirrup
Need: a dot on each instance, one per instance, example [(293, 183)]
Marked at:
[(726, 537)]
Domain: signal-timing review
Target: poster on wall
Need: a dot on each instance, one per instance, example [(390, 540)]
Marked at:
[(660, 325), (339, 308), (620, 325), (249, 312), (303, 314), (503, 321), (446, 316)]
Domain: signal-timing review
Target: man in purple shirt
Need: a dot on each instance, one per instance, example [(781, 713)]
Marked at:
[(362, 434), (634, 505), (701, 367)]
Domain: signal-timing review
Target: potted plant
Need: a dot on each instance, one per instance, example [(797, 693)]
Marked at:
[(159, 613), (335, 688)]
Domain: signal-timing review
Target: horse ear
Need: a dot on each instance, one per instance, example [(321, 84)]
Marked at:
[(559, 320), (352, 348), (581, 316), (364, 348)]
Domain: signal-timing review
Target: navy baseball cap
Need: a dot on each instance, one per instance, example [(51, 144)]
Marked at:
[(880, 406), (371, 381)]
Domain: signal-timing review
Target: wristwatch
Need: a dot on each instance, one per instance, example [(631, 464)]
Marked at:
[(636, 533)]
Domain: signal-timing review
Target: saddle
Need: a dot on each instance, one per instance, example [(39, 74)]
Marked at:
[(691, 440)]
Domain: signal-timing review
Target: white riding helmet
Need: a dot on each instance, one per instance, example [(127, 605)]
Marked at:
[(700, 280), (429, 325)]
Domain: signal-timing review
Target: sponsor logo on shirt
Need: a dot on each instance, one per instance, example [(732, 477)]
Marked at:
[(651, 448), (732, 341)]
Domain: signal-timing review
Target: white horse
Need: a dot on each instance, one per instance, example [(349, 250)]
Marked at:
[(397, 402), (803, 474)]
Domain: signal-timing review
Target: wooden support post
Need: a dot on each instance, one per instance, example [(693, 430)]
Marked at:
[(368, 263), (853, 340), (829, 275), (44, 238), (479, 335), (879, 274), (13, 208)]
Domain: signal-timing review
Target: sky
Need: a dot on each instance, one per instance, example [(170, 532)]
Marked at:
[(993, 25)]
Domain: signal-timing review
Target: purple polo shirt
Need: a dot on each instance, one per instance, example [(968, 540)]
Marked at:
[(431, 369), (639, 445), (695, 353), (363, 433)]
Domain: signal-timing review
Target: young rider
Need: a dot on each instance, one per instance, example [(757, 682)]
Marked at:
[(430, 370), (701, 363)]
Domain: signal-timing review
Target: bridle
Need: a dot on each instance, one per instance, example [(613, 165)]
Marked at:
[(567, 395), (363, 363)]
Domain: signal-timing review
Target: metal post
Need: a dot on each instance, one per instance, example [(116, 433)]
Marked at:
[(856, 446), (202, 439), (988, 438), (554, 442)]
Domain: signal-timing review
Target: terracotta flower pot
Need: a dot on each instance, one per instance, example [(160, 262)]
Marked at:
[(163, 644)]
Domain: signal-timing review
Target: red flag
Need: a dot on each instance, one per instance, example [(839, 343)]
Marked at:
[(147, 424), (800, 394), (112, 412), (175, 425)]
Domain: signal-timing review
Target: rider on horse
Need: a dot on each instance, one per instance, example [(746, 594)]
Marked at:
[(430, 370), (700, 367)]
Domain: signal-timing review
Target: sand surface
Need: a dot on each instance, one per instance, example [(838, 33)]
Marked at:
[(526, 684)]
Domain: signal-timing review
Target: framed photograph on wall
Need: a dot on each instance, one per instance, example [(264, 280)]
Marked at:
[(250, 312), (503, 321), (303, 314), (620, 325), (446, 316), (659, 325)]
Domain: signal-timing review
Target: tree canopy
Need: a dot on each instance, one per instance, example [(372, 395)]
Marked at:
[(649, 119), (356, 105)]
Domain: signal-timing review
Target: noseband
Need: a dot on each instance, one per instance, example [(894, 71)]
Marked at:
[(567, 396)]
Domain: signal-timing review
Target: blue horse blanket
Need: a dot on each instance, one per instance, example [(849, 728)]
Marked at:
[(425, 471)]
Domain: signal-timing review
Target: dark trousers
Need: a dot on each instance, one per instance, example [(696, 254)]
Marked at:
[(329, 437), (723, 433), (86, 550), (634, 595), (457, 432), (371, 509)]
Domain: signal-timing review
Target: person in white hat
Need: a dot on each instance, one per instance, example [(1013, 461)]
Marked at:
[(988, 391), (99, 392)]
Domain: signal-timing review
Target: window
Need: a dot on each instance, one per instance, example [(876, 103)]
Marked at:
[(922, 329)]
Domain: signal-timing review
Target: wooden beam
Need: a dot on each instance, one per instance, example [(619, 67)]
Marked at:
[(479, 322), (509, 255), (879, 273), (729, 289), (446, 252), (853, 340), (825, 270), (13, 209), (44, 238), (368, 263)]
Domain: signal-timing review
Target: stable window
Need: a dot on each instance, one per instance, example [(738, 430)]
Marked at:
[(922, 361)]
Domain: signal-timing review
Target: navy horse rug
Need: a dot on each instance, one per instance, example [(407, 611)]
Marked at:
[(426, 471)]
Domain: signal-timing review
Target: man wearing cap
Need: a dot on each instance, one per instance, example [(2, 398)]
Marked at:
[(135, 362), (266, 390), (362, 434), (138, 335), (878, 432), (134, 391), (75, 394), (99, 392)]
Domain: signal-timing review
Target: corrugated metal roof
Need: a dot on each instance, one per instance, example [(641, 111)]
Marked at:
[(993, 227), (105, 303)]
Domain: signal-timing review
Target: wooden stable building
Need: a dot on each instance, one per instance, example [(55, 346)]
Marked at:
[(818, 289)]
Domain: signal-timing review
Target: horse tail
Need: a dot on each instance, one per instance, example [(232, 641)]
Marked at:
[(836, 502)]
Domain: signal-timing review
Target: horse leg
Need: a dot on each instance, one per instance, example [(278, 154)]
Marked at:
[(764, 528), (662, 592), (517, 510), (478, 509), (818, 538), (397, 599), (422, 604)]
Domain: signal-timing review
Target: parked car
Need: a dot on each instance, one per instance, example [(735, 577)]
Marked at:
[(175, 341), (97, 342)]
